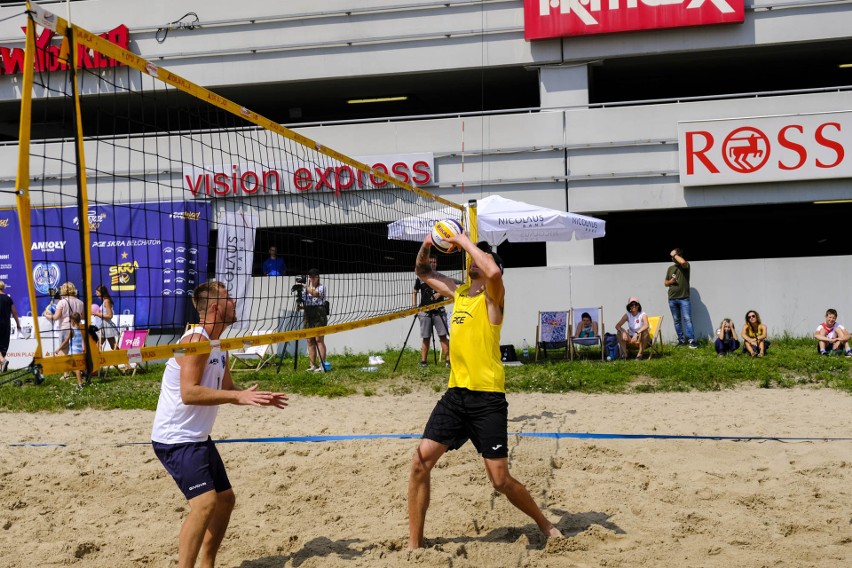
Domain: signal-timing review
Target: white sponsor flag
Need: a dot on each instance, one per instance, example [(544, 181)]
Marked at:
[(234, 250)]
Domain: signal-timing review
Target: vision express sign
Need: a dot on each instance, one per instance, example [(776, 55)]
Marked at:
[(557, 18)]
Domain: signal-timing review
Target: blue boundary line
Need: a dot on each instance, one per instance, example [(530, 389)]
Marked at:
[(554, 435)]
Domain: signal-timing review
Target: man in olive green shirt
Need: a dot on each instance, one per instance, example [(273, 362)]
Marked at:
[(677, 282)]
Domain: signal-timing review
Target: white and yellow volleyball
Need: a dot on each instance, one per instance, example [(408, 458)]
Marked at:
[(444, 230)]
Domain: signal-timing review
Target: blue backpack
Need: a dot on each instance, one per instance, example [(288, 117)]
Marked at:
[(611, 347)]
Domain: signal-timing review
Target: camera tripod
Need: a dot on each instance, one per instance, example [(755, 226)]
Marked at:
[(290, 322), (432, 334)]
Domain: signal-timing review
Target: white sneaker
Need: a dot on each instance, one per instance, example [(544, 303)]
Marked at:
[(311, 369), (4, 365)]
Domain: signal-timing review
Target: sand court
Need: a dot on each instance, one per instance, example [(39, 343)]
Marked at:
[(103, 500)]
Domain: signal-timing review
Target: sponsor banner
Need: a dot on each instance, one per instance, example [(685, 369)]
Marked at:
[(558, 18), (765, 149), (247, 178), (234, 252), (12, 268), (150, 256)]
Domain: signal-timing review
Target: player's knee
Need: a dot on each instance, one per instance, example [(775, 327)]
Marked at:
[(226, 499)]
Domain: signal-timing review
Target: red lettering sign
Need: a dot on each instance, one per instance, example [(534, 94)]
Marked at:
[(47, 56), (764, 149), (557, 18), (334, 179)]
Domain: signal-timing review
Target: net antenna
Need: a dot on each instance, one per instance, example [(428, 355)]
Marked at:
[(138, 183)]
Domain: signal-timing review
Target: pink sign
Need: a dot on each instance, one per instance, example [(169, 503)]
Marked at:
[(133, 339)]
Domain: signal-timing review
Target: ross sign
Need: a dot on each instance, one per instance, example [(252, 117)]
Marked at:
[(48, 56), (765, 149), (247, 179), (558, 18)]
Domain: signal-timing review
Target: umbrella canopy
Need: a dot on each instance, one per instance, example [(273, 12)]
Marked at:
[(500, 219)]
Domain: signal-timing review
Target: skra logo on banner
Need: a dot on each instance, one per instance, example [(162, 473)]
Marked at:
[(4, 223), (123, 276), (556, 18), (46, 276), (95, 220)]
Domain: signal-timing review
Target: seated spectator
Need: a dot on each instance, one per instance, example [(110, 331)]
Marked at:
[(831, 336), (754, 335), (726, 338), (587, 327), (274, 265), (636, 334)]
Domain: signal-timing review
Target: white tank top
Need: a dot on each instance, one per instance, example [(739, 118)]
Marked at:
[(176, 422), (634, 322)]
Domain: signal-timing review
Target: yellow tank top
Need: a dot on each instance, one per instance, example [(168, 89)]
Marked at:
[(474, 345)]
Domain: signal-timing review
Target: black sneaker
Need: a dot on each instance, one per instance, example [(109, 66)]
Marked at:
[(4, 366), (823, 352), (423, 364), (693, 344), (681, 343)]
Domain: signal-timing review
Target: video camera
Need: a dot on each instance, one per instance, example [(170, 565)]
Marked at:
[(298, 288)]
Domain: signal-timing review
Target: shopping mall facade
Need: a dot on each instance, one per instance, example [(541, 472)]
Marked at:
[(720, 127)]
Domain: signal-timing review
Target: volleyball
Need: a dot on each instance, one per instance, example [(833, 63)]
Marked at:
[(444, 230)]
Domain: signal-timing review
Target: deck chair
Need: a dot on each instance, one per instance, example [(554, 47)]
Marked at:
[(133, 339), (656, 345), (655, 324), (252, 358), (578, 343), (551, 332)]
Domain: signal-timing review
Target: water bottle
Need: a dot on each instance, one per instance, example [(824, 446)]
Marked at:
[(526, 350), (370, 369)]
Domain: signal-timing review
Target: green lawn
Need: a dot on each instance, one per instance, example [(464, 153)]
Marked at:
[(790, 362)]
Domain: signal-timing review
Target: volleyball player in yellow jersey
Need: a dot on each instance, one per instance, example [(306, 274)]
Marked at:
[(474, 406)]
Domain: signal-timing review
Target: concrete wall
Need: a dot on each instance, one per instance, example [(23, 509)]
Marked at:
[(783, 291)]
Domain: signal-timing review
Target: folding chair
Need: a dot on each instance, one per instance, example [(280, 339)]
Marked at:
[(596, 314), (254, 357), (552, 332), (655, 335), (655, 324), (133, 339)]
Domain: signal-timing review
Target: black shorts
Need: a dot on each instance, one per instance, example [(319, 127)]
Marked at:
[(315, 316), (196, 467), (481, 417)]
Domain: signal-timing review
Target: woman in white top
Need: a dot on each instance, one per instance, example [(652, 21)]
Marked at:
[(636, 334), (68, 304), (105, 312)]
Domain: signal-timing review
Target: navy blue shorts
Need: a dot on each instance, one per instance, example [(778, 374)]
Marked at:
[(196, 467), (481, 417)]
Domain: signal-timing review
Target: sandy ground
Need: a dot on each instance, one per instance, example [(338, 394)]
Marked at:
[(98, 502)]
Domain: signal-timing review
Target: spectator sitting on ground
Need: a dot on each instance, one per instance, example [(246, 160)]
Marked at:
[(726, 338), (636, 333), (754, 335), (587, 327), (831, 336)]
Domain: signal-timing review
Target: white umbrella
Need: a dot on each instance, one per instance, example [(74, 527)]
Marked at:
[(500, 219)]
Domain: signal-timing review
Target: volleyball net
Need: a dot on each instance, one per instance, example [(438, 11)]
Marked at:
[(133, 179)]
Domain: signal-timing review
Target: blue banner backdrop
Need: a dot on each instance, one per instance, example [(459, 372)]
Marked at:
[(12, 261), (149, 255)]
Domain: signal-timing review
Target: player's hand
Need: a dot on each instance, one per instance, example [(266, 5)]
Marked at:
[(253, 397)]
